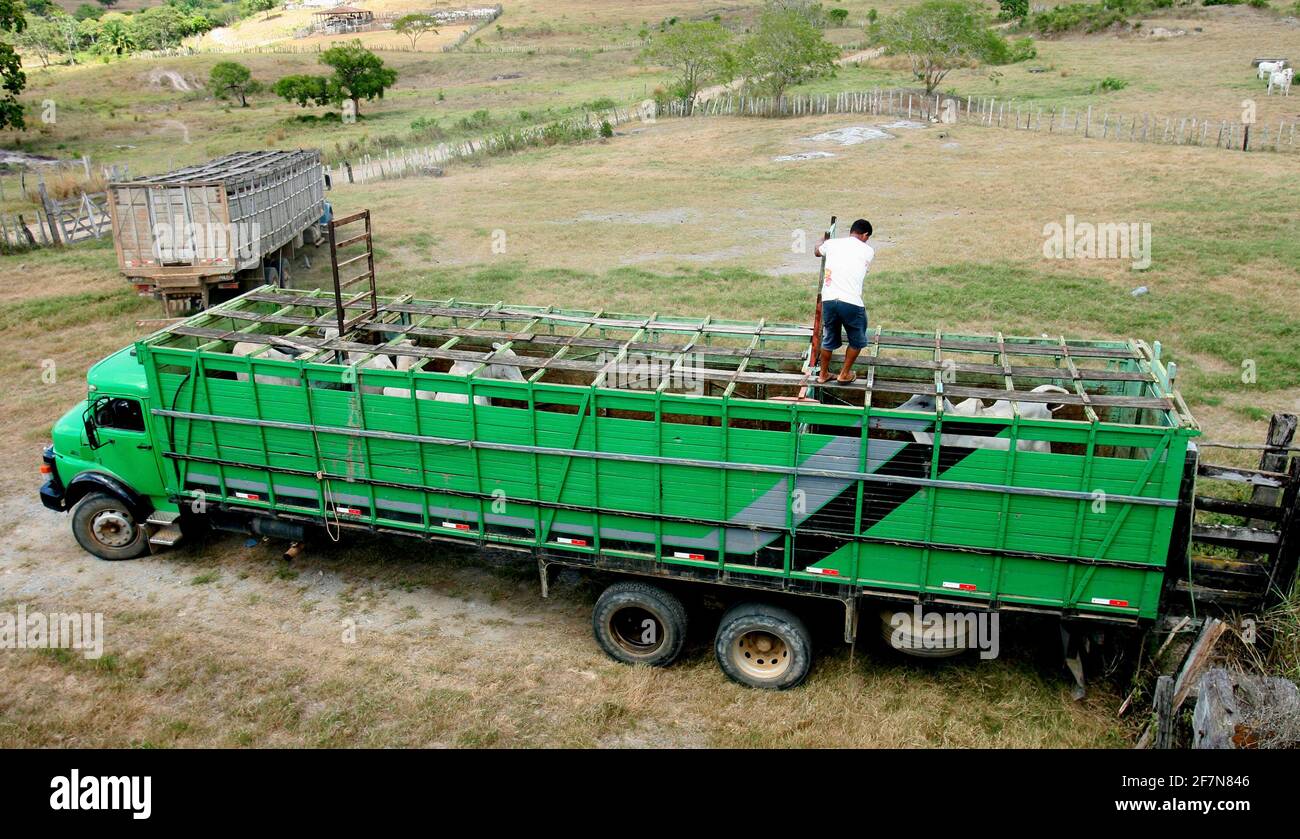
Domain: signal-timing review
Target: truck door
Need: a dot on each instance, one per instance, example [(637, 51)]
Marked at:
[(122, 445)]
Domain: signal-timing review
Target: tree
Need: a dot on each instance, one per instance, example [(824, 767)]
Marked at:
[(1013, 9), (358, 74), (232, 78), (157, 27), (254, 6), (12, 78), (304, 89), (115, 37), (87, 12), (39, 38), (67, 30), (698, 54), (107, 4), (415, 25), (839, 17), (938, 36), (786, 49)]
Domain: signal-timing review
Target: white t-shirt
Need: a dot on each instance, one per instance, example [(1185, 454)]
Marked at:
[(847, 262)]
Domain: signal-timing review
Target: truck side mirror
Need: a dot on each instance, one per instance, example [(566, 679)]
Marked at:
[(88, 422)]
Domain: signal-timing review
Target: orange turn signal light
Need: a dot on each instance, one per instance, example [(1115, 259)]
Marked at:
[(46, 469)]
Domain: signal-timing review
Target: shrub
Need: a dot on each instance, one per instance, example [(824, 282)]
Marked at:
[(1108, 85), (606, 130), (478, 120)]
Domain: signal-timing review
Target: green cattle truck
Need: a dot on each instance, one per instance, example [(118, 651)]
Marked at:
[(963, 472)]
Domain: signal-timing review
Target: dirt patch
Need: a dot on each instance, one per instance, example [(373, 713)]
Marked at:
[(158, 77), (672, 215)]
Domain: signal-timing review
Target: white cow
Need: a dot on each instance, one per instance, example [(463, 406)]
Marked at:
[(506, 372), (248, 348), (1000, 409), (1267, 67), (1281, 79)]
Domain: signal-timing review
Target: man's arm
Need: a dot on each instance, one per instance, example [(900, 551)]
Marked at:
[(817, 251)]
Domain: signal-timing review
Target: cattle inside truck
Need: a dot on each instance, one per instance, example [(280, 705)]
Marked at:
[(671, 451), (184, 234)]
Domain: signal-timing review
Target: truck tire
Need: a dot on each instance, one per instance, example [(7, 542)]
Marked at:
[(637, 623), (763, 646), (105, 528)]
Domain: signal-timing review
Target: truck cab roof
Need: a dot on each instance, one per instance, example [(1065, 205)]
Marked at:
[(121, 374)]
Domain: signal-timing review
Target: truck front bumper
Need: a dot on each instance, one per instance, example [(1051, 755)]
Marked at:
[(52, 495)]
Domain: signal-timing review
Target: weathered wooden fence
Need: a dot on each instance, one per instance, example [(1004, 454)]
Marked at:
[(428, 160), (1091, 121), (52, 221), (58, 222), (474, 30)]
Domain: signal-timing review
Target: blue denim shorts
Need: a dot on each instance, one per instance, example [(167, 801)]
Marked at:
[(839, 316)]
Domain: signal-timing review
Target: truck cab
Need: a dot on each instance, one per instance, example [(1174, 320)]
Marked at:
[(103, 466)]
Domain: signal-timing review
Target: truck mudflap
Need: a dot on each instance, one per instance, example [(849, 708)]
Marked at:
[(52, 492)]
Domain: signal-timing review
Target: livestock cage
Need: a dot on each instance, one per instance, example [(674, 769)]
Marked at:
[(691, 445), (181, 232)]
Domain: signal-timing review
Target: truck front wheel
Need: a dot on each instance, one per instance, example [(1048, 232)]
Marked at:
[(763, 646), (637, 623), (105, 527)]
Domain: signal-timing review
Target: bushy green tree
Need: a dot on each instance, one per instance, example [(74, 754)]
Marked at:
[(358, 74), (1013, 9), (230, 78), (158, 27), (698, 54), (785, 49), (12, 78), (115, 36), (414, 25), (304, 89), (939, 36)]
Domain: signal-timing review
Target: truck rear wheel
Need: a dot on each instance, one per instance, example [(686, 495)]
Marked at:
[(637, 623), (105, 527), (762, 646)]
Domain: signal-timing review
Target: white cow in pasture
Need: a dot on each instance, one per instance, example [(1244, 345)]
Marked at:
[(1281, 79), (1000, 409), (1267, 67)]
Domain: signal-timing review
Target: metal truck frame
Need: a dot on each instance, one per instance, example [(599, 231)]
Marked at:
[(181, 234)]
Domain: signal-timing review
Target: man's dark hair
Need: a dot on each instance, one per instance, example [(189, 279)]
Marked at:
[(861, 226)]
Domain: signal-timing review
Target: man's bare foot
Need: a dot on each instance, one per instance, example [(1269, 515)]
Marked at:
[(821, 380)]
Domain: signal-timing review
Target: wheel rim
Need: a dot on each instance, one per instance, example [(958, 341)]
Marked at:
[(113, 529), (636, 630), (761, 654)]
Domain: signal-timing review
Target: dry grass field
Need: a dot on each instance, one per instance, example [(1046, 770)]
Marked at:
[(222, 643)]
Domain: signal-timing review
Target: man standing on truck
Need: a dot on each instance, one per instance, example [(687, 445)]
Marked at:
[(847, 262)]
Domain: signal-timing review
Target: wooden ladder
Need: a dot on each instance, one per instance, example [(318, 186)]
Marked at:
[(338, 242)]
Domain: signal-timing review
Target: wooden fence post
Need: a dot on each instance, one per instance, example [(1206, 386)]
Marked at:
[(51, 216)]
